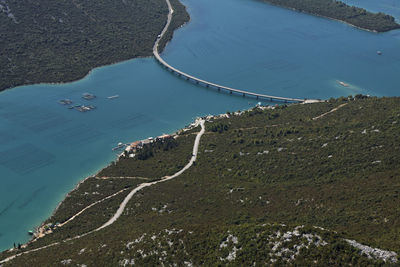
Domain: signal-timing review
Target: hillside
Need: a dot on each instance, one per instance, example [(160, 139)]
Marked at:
[(61, 41), (306, 185)]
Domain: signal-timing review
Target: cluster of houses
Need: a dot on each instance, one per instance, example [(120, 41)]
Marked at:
[(131, 149), (43, 230)]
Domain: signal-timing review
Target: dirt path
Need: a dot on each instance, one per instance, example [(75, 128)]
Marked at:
[(125, 201), (91, 205), (326, 113), (121, 177), (141, 186), (164, 179)]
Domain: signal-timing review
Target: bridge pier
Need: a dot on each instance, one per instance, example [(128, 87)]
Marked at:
[(209, 84), (223, 88)]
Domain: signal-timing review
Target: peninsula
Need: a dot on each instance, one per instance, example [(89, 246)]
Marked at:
[(61, 41), (358, 17)]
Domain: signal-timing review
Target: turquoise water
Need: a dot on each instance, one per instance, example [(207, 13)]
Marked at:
[(267, 49), (45, 148)]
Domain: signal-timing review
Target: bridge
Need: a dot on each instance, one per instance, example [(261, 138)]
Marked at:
[(210, 84)]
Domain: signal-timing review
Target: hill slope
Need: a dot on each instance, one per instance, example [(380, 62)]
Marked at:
[(315, 184)]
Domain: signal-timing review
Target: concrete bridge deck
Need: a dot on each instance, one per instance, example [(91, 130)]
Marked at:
[(210, 84)]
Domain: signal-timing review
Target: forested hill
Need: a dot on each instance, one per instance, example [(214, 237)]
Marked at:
[(59, 41), (299, 185), (359, 17)]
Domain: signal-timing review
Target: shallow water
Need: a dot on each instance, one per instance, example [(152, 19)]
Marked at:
[(45, 148)]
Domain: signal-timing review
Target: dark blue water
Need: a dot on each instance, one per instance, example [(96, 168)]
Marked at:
[(45, 148)]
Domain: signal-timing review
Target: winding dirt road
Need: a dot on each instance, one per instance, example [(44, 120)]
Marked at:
[(164, 179), (122, 206)]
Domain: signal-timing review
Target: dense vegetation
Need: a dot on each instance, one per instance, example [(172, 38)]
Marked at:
[(333, 9), (258, 174), (60, 41), (156, 164), (148, 150)]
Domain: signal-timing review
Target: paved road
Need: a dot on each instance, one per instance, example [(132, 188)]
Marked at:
[(169, 18)]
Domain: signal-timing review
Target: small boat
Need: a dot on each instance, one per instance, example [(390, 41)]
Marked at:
[(379, 52), (113, 96), (343, 83), (30, 232)]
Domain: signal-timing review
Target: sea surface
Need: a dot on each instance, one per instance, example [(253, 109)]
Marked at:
[(46, 148)]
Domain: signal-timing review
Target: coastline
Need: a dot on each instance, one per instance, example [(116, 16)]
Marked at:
[(326, 17), (88, 73), (262, 127), (76, 80), (168, 38), (164, 44), (175, 133), (59, 83), (338, 20), (39, 228), (40, 231)]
